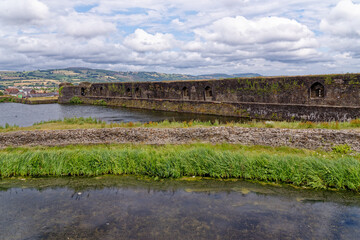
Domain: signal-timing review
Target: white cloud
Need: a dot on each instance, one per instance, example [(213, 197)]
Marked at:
[(142, 41), (79, 25), (185, 36), (239, 30), (272, 38), (23, 11), (341, 28), (343, 20)]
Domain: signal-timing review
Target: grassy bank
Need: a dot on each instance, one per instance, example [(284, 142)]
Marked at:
[(41, 100), (8, 98), (314, 169), (82, 123), (35, 100)]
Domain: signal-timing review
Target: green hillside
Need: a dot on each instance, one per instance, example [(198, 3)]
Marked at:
[(52, 77)]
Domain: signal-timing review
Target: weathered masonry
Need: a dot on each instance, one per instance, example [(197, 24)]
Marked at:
[(313, 98)]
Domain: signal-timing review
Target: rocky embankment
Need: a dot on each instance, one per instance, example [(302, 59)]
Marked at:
[(299, 138)]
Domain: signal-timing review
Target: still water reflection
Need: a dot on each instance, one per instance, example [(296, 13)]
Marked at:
[(26, 115), (112, 207)]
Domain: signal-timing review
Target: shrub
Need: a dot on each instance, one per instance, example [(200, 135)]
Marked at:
[(60, 91), (355, 123), (100, 102), (307, 124), (76, 100), (342, 149), (130, 124)]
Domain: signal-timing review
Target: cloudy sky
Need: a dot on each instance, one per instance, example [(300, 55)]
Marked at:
[(278, 37)]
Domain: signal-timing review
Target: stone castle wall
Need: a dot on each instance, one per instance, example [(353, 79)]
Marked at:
[(315, 98)]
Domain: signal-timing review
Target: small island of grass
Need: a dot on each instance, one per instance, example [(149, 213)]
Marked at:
[(319, 169)]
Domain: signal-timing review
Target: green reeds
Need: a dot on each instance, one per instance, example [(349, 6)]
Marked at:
[(81, 122), (298, 167), (9, 127)]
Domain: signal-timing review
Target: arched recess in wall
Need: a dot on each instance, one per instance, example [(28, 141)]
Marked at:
[(208, 93), (101, 90), (317, 90), (82, 91), (137, 93), (128, 92), (185, 93)]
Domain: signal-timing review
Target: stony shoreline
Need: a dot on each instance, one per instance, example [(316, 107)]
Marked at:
[(298, 138)]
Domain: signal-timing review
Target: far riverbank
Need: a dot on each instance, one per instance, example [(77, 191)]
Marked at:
[(35, 100)]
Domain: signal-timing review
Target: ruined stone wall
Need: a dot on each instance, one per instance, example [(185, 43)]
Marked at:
[(316, 98)]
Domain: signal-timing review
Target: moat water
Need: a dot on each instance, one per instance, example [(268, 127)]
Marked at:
[(123, 207), (26, 115)]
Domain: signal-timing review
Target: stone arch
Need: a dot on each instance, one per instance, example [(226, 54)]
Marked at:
[(83, 93), (208, 93), (317, 90), (128, 92), (138, 92), (101, 90), (185, 93)]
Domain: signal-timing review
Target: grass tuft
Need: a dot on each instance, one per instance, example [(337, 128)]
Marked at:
[(319, 170)]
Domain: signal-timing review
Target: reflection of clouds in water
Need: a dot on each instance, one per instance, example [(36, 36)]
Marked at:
[(108, 114), (134, 209), (27, 115)]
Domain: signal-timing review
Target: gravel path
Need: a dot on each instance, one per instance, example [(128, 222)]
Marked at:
[(300, 138)]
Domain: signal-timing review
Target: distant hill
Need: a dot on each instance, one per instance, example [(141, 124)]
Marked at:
[(52, 77)]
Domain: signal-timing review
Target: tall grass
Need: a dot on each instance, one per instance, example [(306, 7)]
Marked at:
[(81, 122), (302, 169), (9, 127)]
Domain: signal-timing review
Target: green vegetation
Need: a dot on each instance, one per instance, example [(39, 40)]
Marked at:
[(66, 123), (52, 77), (342, 149), (8, 99), (60, 91), (100, 102), (5, 99), (76, 100), (328, 79), (314, 169), (264, 86), (72, 123), (73, 120), (35, 100), (9, 127)]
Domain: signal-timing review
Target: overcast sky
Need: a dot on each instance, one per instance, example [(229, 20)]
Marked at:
[(277, 37)]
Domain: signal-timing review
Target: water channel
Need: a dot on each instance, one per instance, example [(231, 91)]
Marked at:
[(124, 207), (26, 115)]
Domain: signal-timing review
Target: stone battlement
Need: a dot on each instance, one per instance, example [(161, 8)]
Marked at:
[(315, 98)]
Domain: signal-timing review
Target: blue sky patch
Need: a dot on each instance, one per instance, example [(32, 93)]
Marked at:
[(85, 8), (132, 11)]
